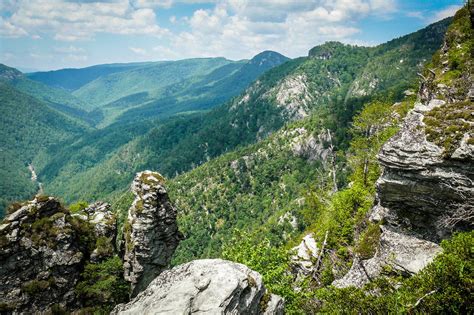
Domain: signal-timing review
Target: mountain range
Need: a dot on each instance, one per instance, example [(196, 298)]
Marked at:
[(336, 182)]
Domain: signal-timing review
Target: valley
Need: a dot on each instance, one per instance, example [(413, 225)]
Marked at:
[(336, 182)]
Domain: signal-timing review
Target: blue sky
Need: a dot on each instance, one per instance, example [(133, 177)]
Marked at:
[(53, 34)]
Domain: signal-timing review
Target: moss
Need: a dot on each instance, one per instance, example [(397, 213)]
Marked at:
[(446, 125), (85, 231), (146, 178), (251, 281), (57, 309), (264, 302), (139, 206), (42, 198), (104, 246), (78, 206), (3, 241), (13, 207), (44, 232), (34, 287), (7, 308), (368, 241)]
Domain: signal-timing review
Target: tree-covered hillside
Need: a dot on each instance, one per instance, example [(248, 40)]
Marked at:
[(149, 78), (28, 126), (291, 91), (73, 79)]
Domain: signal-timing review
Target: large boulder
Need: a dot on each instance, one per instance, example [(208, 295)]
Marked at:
[(151, 232), (208, 286)]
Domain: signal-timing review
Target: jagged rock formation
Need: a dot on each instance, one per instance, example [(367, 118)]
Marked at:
[(41, 257), (208, 286), (105, 229), (151, 233), (419, 185), (306, 254), (397, 253), (426, 189)]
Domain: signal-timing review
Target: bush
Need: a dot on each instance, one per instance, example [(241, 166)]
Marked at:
[(443, 287), (103, 284), (368, 241)]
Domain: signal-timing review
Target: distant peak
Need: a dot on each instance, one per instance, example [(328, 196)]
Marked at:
[(328, 49), (9, 73), (268, 58)]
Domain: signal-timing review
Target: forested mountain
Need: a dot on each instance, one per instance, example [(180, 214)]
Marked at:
[(206, 85), (336, 183), (28, 126), (333, 75), (73, 79)]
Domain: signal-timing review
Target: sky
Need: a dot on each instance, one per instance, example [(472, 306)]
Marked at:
[(54, 34)]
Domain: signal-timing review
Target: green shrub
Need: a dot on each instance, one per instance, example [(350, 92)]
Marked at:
[(37, 286), (78, 206), (368, 241), (102, 285), (443, 287)]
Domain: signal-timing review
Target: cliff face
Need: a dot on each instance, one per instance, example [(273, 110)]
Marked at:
[(41, 256), (426, 194), (426, 190)]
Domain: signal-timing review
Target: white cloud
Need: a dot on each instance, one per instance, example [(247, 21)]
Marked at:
[(8, 29), (138, 51), (232, 28), (444, 13), (241, 28), (68, 49), (152, 3), (415, 14), (69, 21)]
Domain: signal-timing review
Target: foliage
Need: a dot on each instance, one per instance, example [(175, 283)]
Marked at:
[(27, 126), (443, 287), (368, 242), (102, 285), (271, 262), (37, 286), (88, 171), (78, 206), (371, 128)]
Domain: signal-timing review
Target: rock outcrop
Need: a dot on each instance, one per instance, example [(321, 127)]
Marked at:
[(305, 255), (421, 187), (151, 232), (423, 196), (41, 257), (208, 286), (426, 190), (397, 253)]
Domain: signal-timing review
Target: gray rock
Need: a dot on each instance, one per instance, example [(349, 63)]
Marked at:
[(305, 254), (208, 286), (151, 233), (105, 230), (419, 186), (40, 258), (397, 253)]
